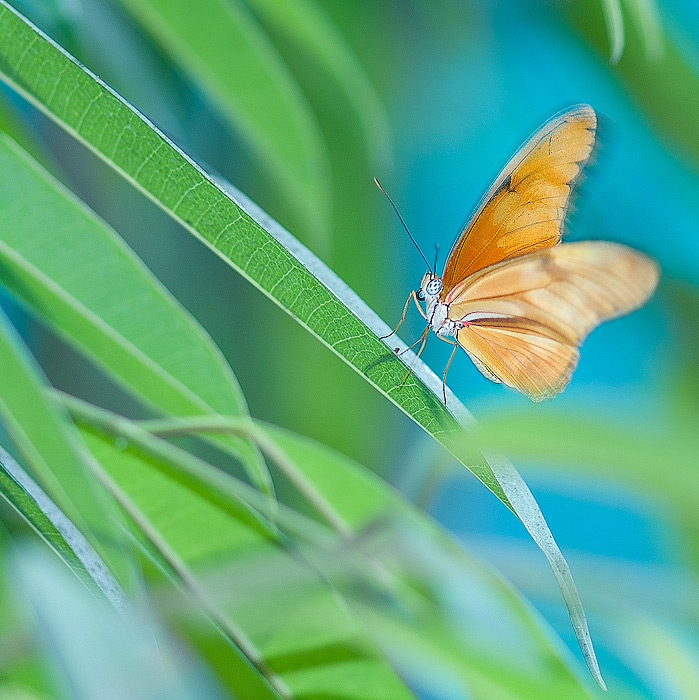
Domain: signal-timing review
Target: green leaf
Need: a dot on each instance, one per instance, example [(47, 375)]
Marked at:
[(224, 50), (647, 17), (417, 556), (615, 28), (305, 23), (73, 271), (268, 257), (44, 435), (197, 538), (95, 648), (42, 514), (668, 106), (445, 633), (682, 301), (220, 489)]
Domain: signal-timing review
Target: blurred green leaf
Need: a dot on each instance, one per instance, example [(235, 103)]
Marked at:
[(655, 460), (68, 267), (100, 653), (615, 28), (10, 690), (447, 627), (647, 19), (305, 24), (607, 446), (49, 444), (386, 540), (268, 257), (222, 492), (224, 50), (28, 499), (683, 304), (664, 87), (359, 142), (193, 536), (646, 15)]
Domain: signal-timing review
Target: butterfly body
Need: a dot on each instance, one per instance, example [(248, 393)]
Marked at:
[(518, 301), (436, 311)]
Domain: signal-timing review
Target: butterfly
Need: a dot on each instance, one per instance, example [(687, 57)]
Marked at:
[(515, 298)]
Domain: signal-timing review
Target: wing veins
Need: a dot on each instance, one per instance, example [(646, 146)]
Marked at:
[(538, 164)]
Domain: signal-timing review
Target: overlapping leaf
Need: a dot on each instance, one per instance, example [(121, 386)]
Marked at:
[(49, 443), (265, 254), (68, 267)]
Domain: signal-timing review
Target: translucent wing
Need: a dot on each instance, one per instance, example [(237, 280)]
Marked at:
[(525, 318), (525, 207)]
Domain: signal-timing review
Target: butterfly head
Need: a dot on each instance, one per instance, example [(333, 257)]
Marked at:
[(430, 287)]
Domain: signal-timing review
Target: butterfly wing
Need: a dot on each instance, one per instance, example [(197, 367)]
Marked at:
[(525, 318), (525, 207)]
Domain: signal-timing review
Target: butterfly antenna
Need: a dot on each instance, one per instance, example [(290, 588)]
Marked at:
[(436, 255), (405, 226)]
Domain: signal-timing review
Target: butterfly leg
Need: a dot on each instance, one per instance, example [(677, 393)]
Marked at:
[(422, 340), (446, 369), (410, 347), (402, 318)]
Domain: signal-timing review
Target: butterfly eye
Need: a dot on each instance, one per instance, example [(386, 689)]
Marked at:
[(434, 286), (420, 295)]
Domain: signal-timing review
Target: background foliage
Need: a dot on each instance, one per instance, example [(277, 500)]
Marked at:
[(341, 588)]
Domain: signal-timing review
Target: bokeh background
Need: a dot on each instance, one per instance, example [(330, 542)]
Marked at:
[(433, 97)]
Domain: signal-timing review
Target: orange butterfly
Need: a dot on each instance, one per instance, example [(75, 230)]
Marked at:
[(514, 299)]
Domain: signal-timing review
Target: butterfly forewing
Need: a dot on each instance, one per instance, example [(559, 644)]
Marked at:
[(525, 318), (525, 207)]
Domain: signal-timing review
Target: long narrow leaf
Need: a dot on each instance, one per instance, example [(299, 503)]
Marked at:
[(51, 447), (306, 25), (266, 255), (72, 270), (615, 28), (229, 55), (194, 537), (42, 514), (646, 15)]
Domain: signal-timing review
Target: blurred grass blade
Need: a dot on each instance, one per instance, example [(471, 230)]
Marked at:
[(437, 596), (265, 254), (305, 23), (611, 450), (100, 654), (615, 28), (42, 514), (220, 489), (51, 447), (72, 270), (191, 535), (361, 501), (224, 50), (646, 14)]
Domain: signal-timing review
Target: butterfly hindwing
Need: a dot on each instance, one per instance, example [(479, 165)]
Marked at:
[(525, 207), (525, 318), (521, 354)]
